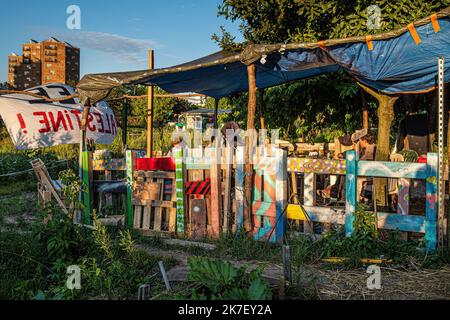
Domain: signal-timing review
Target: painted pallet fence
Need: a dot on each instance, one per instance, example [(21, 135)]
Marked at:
[(151, 195), (421, 224), (199, 192), (310, 168), (269, 195), (353, 169)]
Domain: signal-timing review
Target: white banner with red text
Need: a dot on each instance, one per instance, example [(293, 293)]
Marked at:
[(34, 123)]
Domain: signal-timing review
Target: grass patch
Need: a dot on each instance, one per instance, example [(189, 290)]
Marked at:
[(17, 205), (19, 186)]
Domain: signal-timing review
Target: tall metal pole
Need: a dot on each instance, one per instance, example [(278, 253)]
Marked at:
[(441, 186), (151, 93)]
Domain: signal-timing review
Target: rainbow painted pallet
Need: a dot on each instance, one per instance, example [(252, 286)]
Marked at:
[(270, 195)]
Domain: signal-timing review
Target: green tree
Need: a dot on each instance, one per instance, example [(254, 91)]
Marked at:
[(272, 21)]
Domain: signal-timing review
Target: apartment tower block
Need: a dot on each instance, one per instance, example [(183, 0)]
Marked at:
[(44, 62)]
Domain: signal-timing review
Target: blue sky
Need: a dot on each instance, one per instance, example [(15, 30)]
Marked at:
[(115, 35)]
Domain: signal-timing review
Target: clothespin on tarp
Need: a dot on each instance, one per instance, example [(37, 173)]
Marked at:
[(369, 41), (435, 23), (414, 34)]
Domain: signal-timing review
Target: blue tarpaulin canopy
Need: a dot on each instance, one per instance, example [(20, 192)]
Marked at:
[(397, 62)]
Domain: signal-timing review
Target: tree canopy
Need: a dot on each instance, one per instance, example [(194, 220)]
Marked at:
[(269, 21)]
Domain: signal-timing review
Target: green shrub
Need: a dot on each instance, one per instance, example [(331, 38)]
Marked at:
[(218, 280)]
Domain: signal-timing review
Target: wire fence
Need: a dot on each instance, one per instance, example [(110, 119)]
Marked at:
[(55, 165)]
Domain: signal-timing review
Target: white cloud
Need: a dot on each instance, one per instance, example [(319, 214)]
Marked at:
[(124, 49)]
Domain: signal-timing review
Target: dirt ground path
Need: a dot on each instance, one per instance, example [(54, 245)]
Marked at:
[(330, 284)]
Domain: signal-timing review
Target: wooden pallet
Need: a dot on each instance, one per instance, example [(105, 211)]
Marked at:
[(155, 209), (206, 204), (109, 170)]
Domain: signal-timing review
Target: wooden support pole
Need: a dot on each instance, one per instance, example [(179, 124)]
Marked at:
[(261, 108), (248, 184), (365, 118), (228, 202), (287, 265), (125, 122), (216, 113), (365, 110), (151, 93), (216, 194)]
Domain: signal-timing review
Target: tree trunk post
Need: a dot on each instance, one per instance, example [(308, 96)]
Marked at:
[(248, 182), (385, 118)]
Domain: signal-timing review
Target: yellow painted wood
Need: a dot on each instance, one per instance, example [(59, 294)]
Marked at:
[(296, 212)]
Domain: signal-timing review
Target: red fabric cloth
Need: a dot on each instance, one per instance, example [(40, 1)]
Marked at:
[(155, 164), (422, 159)]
